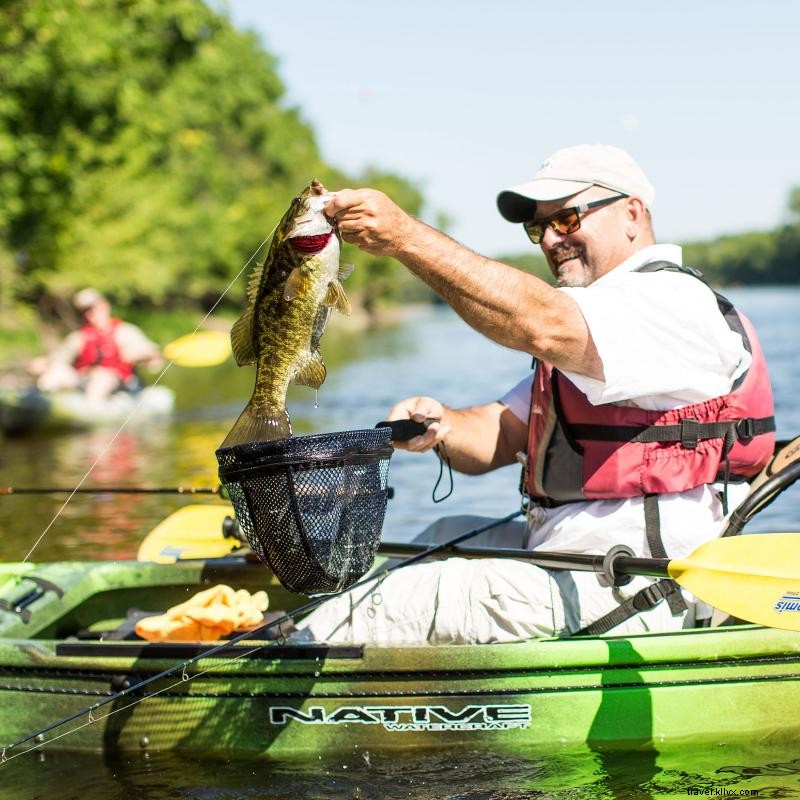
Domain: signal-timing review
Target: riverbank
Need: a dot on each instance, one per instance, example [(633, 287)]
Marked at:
[(23, 336)]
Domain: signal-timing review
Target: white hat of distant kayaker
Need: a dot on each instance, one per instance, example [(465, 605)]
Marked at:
[(571, 170), (86, 299)]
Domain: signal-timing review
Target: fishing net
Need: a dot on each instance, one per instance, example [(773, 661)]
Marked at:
[(311, 507)]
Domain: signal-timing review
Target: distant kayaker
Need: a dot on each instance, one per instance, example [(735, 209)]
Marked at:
[(649, 407), (100, 357)]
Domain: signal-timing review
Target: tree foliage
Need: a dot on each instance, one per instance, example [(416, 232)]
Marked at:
[(145, 149)]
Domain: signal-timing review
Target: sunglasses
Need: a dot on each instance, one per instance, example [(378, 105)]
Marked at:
[(567, 220)]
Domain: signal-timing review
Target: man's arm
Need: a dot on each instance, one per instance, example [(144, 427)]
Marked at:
[(477, 439), (509, 306), (135, 347)]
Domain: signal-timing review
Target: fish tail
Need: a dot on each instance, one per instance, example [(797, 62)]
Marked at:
[(259, 425)]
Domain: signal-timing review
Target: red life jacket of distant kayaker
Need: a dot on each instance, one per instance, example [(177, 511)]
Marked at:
[(100, 349), (580, 451)]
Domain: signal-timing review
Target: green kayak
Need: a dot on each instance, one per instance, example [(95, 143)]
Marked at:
[(75, 676), (66, 644)]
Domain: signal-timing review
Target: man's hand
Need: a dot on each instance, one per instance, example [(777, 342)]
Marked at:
[(369, 219), (419, 409)]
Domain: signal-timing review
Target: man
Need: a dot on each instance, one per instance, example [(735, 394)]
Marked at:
[(627, 342), (100, 357)]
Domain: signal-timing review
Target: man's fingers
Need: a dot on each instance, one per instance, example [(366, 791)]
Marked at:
[(347, 205), (428, 440)]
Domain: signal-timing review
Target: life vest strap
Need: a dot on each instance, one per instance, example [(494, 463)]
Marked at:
[(643, 600), (689, 432), (650, 596)]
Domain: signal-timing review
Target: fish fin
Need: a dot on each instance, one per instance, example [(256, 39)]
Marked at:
[(312, 373), (345, 270), (242, 338), (295, 284), (255, 425), (336, 297), (254, 282)]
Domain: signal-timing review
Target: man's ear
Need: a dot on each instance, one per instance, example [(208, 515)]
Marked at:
[(637, 218)]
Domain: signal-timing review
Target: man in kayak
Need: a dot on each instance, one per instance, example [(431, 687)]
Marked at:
[(649, 407), (101, 356)]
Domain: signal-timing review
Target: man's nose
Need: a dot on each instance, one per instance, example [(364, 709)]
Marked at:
[(550, 238)]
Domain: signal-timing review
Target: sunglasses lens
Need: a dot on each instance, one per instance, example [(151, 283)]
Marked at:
[(566, 221), (535, 231)]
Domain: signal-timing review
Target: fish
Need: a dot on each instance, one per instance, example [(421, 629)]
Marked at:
[(290, 297)]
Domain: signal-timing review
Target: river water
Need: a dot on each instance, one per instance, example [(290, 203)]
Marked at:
[(433, 353)]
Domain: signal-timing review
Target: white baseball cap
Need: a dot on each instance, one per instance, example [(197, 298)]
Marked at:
[(86, 298), (571, 170)]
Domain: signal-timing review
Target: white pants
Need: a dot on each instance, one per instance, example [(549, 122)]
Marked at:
[(466, 601)]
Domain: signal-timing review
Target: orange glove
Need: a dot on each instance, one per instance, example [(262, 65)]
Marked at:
[(207, 616)]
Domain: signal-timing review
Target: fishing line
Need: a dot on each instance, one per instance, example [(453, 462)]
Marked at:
[(139, 404), (228, 643)]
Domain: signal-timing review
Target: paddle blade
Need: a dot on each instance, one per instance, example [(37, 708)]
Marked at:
[(193, 531), (755, 578), (200, 349)]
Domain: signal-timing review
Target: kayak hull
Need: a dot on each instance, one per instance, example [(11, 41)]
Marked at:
[(280, 699), (29, 411)]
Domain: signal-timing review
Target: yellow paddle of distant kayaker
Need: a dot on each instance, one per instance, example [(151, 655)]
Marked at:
[(199, 349)]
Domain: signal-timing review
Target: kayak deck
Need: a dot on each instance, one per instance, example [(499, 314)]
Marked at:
[(280, 699)]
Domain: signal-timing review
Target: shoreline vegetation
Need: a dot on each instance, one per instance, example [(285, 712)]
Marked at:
[(146, 153)]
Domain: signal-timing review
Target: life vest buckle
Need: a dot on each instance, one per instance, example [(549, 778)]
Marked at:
[(745, 428), (690, 433)]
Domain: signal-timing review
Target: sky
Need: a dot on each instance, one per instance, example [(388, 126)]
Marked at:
[(467, 98)]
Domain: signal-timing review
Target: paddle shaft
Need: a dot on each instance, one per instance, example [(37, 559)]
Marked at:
[(620, 563)]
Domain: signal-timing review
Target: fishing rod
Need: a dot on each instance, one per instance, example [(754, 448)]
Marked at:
[(424, 553), (402, 430), (9, 490)]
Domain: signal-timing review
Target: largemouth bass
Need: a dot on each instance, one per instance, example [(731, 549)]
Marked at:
[(290, 297)]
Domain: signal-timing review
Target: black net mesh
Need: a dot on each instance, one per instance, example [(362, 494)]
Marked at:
[(312, 507)]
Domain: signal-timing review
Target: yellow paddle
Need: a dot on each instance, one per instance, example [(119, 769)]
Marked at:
[(754, 578), (199, 349), (194, 531)]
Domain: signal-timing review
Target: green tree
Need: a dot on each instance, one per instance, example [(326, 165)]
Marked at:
[(145, 149)]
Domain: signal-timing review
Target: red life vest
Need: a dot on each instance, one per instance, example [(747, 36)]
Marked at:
[(579, 451), (100, 349)]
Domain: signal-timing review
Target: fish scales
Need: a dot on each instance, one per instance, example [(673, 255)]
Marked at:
[(290, 298)]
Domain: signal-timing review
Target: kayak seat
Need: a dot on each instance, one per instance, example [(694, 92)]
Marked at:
[(778, 475)]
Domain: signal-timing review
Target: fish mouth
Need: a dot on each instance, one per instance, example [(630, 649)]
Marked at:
[(313, 243), (313, 222)]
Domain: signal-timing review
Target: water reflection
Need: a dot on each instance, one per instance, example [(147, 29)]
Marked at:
[(433, 354), (459, 775)]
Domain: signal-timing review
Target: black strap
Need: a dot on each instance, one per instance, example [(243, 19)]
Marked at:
[(651, 595), (652, 528), (688, 432), (643, 600)]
